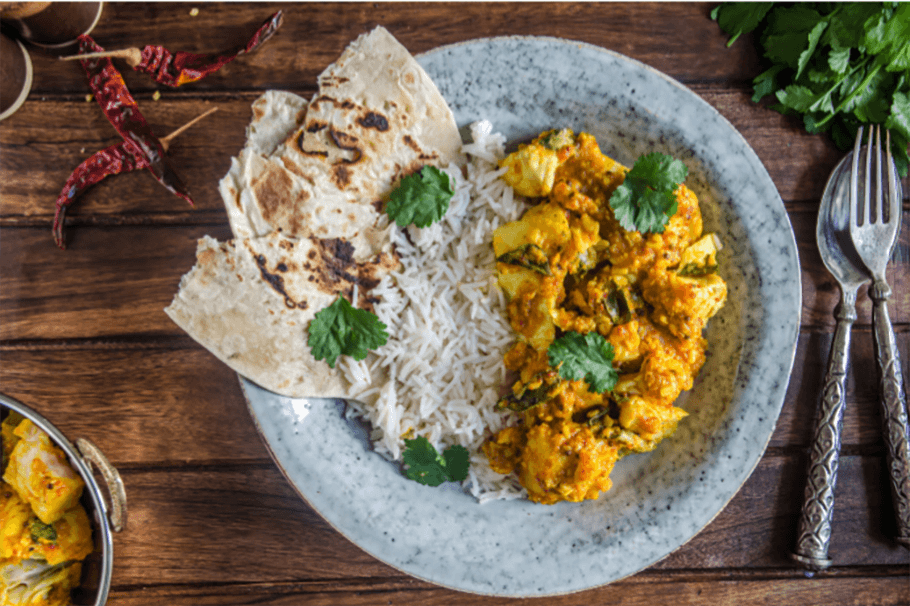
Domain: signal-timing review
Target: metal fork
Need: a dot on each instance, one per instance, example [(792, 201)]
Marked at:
[(874, 224)]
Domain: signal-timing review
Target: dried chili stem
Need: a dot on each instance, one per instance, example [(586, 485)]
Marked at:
[(120, 158)]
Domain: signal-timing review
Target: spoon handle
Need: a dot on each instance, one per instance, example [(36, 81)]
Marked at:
[(894, 408), (814, 531)]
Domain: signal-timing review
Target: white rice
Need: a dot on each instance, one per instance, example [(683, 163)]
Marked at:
[(441, 372)]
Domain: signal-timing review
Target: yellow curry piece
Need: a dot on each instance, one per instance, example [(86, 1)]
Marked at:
[(567, 265), (45, 532)]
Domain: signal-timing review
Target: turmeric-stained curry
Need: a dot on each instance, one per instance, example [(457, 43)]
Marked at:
[(568, 265)]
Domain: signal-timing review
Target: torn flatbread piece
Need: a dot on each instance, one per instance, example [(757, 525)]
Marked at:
[(249, 302), (305, 199), (376, 118)]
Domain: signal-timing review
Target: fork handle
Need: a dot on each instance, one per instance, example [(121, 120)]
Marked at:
[(814, 532), (894, 408)]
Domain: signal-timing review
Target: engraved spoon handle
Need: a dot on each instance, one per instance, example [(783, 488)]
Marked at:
[(814, 531), (894, 408)]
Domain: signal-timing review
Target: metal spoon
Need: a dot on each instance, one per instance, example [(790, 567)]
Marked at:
[(837, 252)]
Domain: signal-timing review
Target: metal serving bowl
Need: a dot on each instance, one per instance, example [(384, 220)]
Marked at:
[(107, 518)]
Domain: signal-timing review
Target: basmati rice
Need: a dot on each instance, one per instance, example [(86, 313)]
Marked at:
[(446, 317)]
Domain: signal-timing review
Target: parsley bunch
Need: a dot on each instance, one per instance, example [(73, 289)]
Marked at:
[(342, 329), (838, 65), (426, 466)]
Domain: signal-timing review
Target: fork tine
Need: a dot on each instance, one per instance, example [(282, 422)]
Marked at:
[(894, 202), (854, 178), (875, 209)]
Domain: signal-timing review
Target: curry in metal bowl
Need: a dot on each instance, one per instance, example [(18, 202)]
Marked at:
[(610, 282)]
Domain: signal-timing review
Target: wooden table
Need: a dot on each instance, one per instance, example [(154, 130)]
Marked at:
[(84, 340)]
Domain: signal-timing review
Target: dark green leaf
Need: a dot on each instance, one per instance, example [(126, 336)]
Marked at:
[(41, 531), (814, 36), (788, 33), (797, 97), (766, 83), (522, 401), (588, 357), (426, 466), (529, 256), (342, 329), (646, 199), (839, 60), (458, 459), (738, 18), (421, 198), (899, 120)]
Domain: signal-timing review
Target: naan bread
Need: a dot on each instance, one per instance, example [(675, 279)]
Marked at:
[(304, 198), (249, 302), (376, 118)]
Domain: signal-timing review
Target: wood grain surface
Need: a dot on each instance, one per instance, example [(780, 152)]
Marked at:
[(84, 340)]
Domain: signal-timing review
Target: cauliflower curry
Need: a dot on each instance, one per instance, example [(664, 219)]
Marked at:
[(568, 265), (45, 532)]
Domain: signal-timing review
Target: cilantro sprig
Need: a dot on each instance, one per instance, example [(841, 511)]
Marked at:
[(426, 466), (342, 329), (421, 198), (837, 65), (588, 357), (646, 200)]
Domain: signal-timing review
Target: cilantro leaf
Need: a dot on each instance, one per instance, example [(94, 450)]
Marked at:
[(646, 199), (588, 357), (342, 329), (421, 198), (426, 466)]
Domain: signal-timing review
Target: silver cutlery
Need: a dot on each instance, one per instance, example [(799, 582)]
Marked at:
[(833, 236), (875, 218)]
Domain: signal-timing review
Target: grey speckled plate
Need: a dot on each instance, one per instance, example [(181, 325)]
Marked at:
[(659, 500)]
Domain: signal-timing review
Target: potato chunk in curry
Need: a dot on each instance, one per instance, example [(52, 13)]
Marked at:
[(568, 265)]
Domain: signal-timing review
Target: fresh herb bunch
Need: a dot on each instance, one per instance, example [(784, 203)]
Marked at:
[(426, 466), (342, 329), (588, 357), (421, 198), (646, 199), (838, 65)]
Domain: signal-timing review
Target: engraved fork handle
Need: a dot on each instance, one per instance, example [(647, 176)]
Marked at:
[(814, 532), (894, 408)]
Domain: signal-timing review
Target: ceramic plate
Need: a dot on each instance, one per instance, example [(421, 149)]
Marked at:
[(659, 500)]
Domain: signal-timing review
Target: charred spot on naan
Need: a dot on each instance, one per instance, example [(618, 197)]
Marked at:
[(276, 281), (374, 120), (329, 267)]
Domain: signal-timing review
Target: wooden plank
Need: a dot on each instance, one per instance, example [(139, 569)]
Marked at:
[(245, 524), (129, 397), (642, 590), (115, 281), (140, 404), (314, 34), (70, 130)]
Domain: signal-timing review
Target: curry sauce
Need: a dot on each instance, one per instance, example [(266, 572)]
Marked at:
[(568, 265)]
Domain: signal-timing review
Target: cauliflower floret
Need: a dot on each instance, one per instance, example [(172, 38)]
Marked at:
[(42, 476), (531, 170)]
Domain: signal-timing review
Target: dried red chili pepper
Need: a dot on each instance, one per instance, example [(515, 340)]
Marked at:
[(123, 113), (176, 69), (120, 158)]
